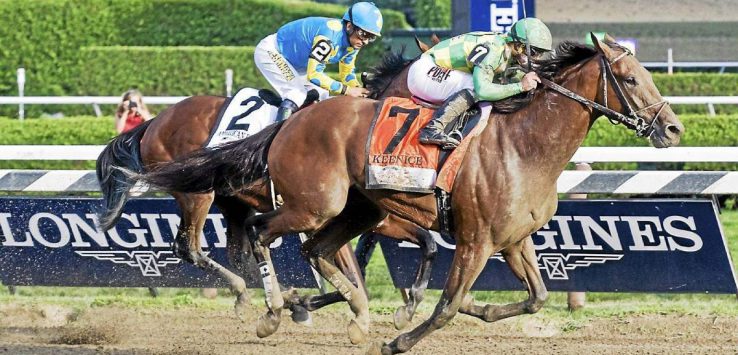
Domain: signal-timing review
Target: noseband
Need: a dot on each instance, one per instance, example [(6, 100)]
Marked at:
[(632, 120)]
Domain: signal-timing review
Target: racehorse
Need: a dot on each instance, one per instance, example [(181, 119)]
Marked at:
[(184, 128), (504, 191)]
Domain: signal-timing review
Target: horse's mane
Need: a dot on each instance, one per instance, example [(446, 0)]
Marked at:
[(381, 75), (566, 54)]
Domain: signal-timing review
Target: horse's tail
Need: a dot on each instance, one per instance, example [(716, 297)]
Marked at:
[(224, 169), (124, 151)]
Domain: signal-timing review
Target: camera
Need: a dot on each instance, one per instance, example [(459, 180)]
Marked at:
[(132, 104)]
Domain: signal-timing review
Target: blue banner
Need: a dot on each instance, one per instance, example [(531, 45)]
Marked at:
[(604, 245), (53, 242), (498, 16)]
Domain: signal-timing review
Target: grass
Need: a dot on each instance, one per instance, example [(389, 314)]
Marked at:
[(385, 299)]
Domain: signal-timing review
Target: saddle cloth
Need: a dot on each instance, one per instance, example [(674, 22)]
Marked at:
[(395, 158), (242, 115)]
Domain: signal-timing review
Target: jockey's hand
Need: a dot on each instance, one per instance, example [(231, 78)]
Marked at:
[(357, 92), (530, 81)]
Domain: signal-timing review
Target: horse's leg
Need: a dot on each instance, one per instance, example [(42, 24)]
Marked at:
[(403, 229), (238, 246), (364, 250), (305, 210), (359, 215), (267, 323), (195, 209), (522, 260), (469, 260)]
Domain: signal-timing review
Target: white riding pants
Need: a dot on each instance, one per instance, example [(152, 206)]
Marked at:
[(435, 84), (284, 78)]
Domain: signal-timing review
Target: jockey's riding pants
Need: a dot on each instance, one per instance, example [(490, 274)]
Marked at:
[(435, 84), (288, 82)]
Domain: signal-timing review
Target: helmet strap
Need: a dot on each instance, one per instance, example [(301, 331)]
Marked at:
[(527, 51), (527, 37), (351, 21)]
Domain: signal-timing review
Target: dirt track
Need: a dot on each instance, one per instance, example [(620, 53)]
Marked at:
[(55, 329)]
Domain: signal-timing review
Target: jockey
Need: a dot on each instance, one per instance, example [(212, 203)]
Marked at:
[(294, 58), (468, 68)]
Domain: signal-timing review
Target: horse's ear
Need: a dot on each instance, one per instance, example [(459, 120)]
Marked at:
[(434, 39), (610, 39), (601, 46), (421, 45)]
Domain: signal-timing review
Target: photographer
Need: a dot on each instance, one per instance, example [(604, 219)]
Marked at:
[(131, 112)]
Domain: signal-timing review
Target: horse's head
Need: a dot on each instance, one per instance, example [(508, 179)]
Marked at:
[(630, 90)]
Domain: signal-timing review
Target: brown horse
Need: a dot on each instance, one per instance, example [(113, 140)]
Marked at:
[(184, 128), (505, 189)]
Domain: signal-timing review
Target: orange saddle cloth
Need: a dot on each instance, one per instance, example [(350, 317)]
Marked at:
[(395, 158)]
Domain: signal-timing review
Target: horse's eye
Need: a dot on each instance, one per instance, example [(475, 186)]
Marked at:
[(630, 81)]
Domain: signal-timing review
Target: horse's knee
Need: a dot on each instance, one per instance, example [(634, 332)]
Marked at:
[(537, 302), (444, 316)]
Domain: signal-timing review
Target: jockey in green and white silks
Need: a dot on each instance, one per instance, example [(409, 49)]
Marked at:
[(467, 68), (293, 60)]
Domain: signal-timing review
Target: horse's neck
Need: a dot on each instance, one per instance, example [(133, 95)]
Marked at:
[(397, 86), (547, 133)]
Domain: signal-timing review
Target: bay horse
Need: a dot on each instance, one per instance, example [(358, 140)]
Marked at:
[(183, 128), (504, 191)]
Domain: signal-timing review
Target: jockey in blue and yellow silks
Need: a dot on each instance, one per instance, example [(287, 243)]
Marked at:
[(293, 60)]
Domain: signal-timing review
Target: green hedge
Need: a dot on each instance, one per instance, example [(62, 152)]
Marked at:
[(698, 84), (45, 36), (433, 13), (700, 131), (158, 71), (66, 131)]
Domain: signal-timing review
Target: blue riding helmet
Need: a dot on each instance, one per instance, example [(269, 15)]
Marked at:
[(366, 16)]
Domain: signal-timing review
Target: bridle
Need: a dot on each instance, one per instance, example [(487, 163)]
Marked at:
[(632, 119)]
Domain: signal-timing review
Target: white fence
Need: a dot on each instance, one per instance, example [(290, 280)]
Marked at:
[(96, 101), (584, 154), (612, 182)]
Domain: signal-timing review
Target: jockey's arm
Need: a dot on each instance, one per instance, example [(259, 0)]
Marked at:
[(321, 52), (346, 69), (487, 90)]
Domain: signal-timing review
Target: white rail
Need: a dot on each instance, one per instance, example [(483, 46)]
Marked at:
[(584, 154), (690, 64)]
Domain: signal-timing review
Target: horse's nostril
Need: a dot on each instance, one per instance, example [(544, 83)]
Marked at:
[(673, 129)]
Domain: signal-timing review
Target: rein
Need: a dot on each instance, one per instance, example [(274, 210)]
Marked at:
[(632, 120)]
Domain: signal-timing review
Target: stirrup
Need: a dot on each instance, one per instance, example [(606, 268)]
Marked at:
[(439, 138)]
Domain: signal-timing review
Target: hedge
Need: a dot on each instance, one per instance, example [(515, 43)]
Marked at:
[(45, 36), (66, 131), (698, 84), (433, 13), (158, 71)]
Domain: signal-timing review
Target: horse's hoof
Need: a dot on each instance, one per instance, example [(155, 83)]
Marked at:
[(401, 318), (375, 348), (240, 307), (301, 316), (379, 348), (266, 325), (356, 334)]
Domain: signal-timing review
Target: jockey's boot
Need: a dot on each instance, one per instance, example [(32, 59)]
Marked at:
[(286, 108), (452, 108)]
